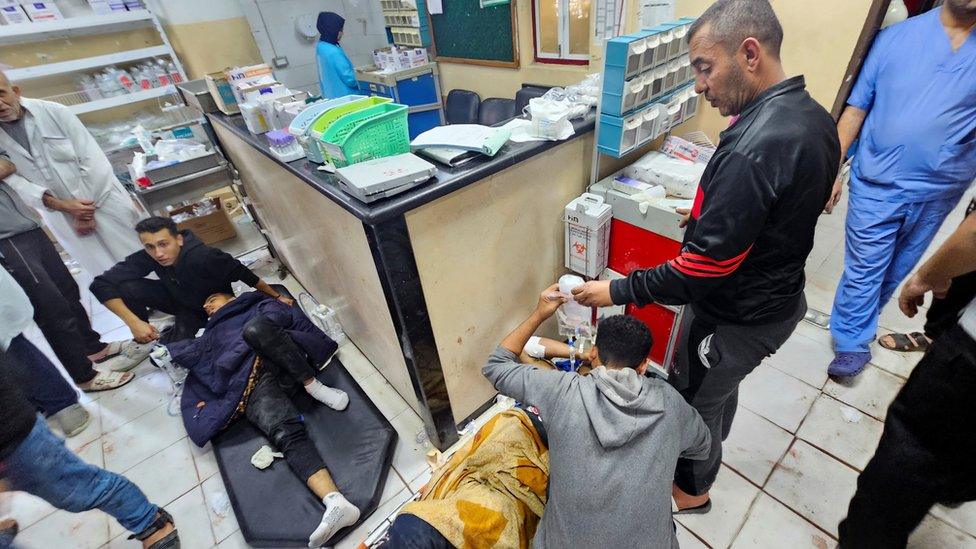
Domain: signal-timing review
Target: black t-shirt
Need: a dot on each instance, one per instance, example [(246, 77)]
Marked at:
[(17, 415)]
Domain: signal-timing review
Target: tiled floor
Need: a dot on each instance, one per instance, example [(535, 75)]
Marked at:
[(790, 462)]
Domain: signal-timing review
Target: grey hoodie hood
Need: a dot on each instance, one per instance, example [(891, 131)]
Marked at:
[(627, 405)]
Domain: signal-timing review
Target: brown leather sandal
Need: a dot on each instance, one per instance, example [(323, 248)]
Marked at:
[(905, 343)]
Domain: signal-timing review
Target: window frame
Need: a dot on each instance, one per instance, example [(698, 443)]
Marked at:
[(563, 57)]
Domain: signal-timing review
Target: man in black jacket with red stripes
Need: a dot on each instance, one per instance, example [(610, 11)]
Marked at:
[(741, 264)]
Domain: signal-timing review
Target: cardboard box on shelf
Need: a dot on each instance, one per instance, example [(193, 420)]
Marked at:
[(209, 228), (13, 15), (42, 11), (412, 57), (228, 201), (101, 7)]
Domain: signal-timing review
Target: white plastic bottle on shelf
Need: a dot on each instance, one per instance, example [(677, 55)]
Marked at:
[(174, 73), (147, 77), (108, 86), (162, 75), (124, 79), (86, 85), (329, 323)]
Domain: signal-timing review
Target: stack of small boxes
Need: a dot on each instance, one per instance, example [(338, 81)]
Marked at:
[(648, 87), (406, 21), (13, 12)]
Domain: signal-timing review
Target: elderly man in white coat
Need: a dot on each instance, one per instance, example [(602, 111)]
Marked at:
[(62, 172)]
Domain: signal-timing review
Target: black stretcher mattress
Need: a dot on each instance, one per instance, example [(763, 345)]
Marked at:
[(276, 509)]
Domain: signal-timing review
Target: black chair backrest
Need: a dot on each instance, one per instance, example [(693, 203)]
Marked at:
[(527, 92), (495, 110), (462, 107)]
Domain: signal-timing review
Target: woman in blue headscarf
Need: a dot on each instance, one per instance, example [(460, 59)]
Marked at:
[(336, 74)]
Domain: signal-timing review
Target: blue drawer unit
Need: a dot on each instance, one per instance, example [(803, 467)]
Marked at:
[(420, 121), (418, 88), (618, 135)]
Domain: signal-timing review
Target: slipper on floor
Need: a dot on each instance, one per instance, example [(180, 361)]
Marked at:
[(106, 381), (847, 364), (697, 510), (905, 343)]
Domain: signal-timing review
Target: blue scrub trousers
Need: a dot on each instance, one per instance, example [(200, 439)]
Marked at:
[(884, 241)]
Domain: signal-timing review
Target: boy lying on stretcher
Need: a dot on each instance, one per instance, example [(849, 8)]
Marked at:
[(615, 437), (254, 355)]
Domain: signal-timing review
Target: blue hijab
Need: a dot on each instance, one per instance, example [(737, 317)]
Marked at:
[(329, 25)]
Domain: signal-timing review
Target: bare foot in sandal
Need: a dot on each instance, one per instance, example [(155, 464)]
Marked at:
[(905, 343), (106, 381)]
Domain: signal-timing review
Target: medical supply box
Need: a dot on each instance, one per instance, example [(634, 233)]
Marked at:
[(384, 177), (587, 234)]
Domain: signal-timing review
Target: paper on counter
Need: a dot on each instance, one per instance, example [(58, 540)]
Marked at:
[(522, 131)]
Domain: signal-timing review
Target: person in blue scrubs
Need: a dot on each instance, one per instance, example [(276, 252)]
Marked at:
[(336, 74), (913, 109)]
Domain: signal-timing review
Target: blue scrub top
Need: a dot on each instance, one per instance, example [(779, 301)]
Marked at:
[(336, 74), (918, 141)]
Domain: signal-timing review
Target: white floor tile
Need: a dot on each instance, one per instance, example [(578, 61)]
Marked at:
[(25, 508), (88, 530), (804, 359), (122, 541), (92, 453), (815, 333), (223, 525), (392, 487), (105, 322), (382, 512), (871, 392), (389, 402), (892, 319), (204, 460), (144, 393), (754, 446), (355, 362), (166, 475), (813, 484), (410, 456), (192, 520), (842, 431), (119, 334), (900, 364), (776, 396), (234, 541), (686, 539), (732, 496), (820, 291), (934, 533), (419, 481), (772, 525), (141, 438), (962, 517)]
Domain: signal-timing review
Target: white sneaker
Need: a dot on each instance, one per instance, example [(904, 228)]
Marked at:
[(339, 513), (130, 355)]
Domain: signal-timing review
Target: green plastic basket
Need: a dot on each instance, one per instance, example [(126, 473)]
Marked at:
[(322, 123), (365, 134)]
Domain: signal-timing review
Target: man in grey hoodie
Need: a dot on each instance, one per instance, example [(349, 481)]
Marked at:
[(614, 436)]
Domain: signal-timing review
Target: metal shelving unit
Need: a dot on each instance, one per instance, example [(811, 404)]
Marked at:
[(87, 25)]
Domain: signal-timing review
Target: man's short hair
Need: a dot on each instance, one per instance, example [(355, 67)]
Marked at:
[(730, 22), (156, 224), (623, 341)]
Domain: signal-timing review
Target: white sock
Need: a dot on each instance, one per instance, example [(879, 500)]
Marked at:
[(333, 398), (339, 513)]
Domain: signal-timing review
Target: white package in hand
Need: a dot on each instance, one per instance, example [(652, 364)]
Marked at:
[(679, 177)]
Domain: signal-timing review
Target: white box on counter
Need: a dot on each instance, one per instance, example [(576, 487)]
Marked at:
[(13, 15), (42, 11)]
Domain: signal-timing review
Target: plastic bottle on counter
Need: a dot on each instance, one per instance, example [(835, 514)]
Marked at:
[(124, 79)]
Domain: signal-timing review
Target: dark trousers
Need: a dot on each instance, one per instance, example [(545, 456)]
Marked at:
[(944, 313), (42, 383), (715, 359), (36, 266), (284, 366), (411, 532), (926, 451), (145, 295)]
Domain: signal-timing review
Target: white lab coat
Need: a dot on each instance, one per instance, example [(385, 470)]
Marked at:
[(65, 160)]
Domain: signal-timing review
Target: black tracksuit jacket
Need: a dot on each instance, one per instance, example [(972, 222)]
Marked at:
[(753, 219)]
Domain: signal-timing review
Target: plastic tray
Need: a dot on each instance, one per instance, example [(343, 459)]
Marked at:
[(315, 151), (374, 132)]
